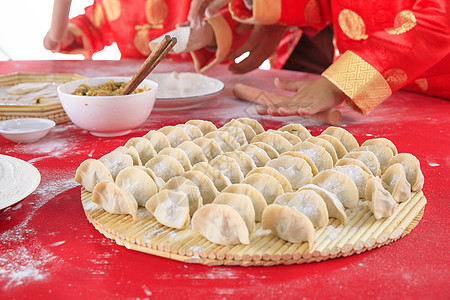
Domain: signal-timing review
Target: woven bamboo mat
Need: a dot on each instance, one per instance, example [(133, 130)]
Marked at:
[(362, 233)]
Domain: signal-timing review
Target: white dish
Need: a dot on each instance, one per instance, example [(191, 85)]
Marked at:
[(184, 90), (25, 130), (18, 179)]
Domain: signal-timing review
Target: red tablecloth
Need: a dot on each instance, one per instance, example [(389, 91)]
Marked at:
[(48, 249)]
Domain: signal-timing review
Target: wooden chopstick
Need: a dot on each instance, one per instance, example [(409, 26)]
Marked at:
[(161, 50)]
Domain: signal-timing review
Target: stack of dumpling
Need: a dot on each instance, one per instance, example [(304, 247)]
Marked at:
[(222, 181)]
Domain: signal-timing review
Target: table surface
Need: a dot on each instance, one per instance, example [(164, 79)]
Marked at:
[(48, 247)]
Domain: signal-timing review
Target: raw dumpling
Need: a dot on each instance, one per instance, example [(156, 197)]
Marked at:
[(298, 130), (412, 169), (296, 170), (242, 204), (326, 145), (334, 206), (259, 156), (258, 201), (179, 155), (204, 126), (358, 175), (221, 224), (369, 159), (244, 161), (114, 200), (225, 140), (236, 132), (192, 131), (90, 172), (270, 151), (338, 146), (175, 135), (267, 185), (193, 151), (157, 139), (158, 180), (143, 147), (209, 147), (170, 208), (253, 124), (116, 161), (248, 130), (321, 158), (165, 166), (287, 187), (220, 181), (339, 184), (381, 142), (306, 158), (345, 137), (184, 185), (382, 204), (137, 182), (383, 154), (395, 180), (289, 224), (351, 161), (307, 202), (207, 189), (229, 167), (276, 141), (292, 138), (131, 151)]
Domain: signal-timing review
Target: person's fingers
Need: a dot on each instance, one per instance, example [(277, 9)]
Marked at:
[(214, 7), (288, 111), (261, 110), (185, 24), (197, 11), (49, 44), (290, 85)]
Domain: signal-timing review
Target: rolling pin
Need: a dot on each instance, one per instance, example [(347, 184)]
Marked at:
[(331, 116)]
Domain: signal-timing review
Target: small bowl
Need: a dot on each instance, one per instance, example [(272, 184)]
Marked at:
[(25, 130), (107, 115)]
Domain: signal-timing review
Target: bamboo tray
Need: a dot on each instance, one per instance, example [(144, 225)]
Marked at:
[(362, 233), (53, 111)]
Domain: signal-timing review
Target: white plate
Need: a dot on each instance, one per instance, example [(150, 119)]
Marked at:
[(25, 130), (184, 90), (18, 179)]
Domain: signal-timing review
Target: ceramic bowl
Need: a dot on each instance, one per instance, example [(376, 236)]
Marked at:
[(25, 130), (107, 115)]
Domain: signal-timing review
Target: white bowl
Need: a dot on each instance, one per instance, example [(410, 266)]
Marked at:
[(25, 130), (107, 115)]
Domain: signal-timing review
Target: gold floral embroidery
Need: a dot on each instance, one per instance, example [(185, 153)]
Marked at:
[(112, 9), (396, 78), (312, 12), (97, 17), (404, 21), (156, 11), (141, 41), (422, 83), (352, 25)]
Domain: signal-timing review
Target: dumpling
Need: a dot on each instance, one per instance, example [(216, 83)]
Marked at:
[(270, 151), (306, 158), (143, 147), (220, 181), (267, 185), (339, 184), (158, 180), (292, 138), (296, 170), (229, 167), (192, 131), (287, 187), (345, 137), (334, 206), (358, 175), (209, 147), (383, 154), (276, 141), (298, 130), (116, 161), (170, 208), (382, 204), (131, 151), (338, 146), (257, 127), (221, 224), (244, 161), (369, 159), (204, 126), (326, 145), (395, 180), (137, 182), (259, 156), (193, 151), (242, 204), (207, 189), (157, 139), (175, 135), (247, 129), (321, 158), (236, 132), (307, 202), (90, 172), (412, 169), (352, 161), (184, 185), (113, 199), (289, 224), (225, 140), (179, 155), (258, 201), (381, 142), (165, 166)]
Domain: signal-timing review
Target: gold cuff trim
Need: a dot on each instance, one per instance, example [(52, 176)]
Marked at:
[(361, 82), (86, 43), (265, 12)]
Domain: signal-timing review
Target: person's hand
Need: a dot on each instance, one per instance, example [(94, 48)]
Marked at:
[(55, 45), (261, 43), (199, 9), (311, 97)]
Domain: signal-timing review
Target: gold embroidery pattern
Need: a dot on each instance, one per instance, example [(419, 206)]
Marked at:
[(112, 9), (352, 25), (422, 83), (141, 41), (97, 17), (312, 12), (396, 78), (361, 82), (156, 11), (404, 22)]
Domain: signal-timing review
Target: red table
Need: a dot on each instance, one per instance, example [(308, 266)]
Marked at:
[(48, 249)]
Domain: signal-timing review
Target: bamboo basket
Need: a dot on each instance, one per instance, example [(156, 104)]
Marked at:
[(53, 111), (362, 233)]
